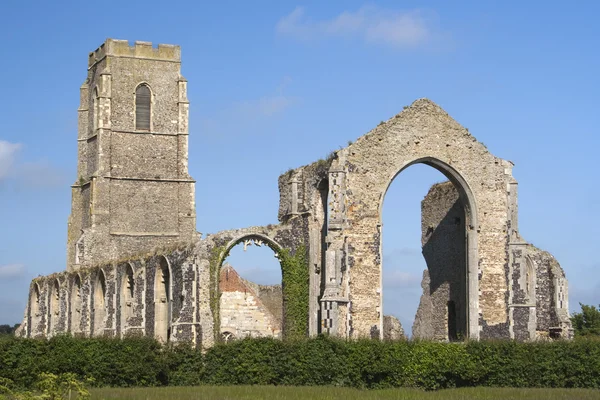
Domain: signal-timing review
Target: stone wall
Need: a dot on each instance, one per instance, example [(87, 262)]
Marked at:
[(132, 227), (133, 192), (442, 312), (243, 312)]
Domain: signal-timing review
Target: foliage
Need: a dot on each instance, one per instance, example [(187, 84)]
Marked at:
[(294, 282), (323, 361), (295, 287), (8, 330), (587, 322), (217, 256), (49, 387)]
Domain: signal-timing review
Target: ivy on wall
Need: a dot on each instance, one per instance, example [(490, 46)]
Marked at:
[(216, 260), (295, 288)]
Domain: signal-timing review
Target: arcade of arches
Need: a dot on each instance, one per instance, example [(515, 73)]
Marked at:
[(483, 280)]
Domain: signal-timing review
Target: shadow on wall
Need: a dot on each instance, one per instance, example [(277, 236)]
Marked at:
[(442, 312)]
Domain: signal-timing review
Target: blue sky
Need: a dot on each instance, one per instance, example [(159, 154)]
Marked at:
[(275, 85)]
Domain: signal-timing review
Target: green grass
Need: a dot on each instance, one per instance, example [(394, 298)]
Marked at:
[(330, 393)]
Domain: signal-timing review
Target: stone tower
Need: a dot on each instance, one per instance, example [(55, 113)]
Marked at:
[(133, 191)]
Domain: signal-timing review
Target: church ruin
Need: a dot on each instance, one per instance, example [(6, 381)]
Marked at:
[(136, 265)]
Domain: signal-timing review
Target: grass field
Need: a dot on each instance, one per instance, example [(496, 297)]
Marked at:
[(330, 393)]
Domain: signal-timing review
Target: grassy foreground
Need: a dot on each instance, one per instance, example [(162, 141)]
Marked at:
[(330, 393)]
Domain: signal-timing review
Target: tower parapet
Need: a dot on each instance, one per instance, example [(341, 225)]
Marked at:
[(121, 48)]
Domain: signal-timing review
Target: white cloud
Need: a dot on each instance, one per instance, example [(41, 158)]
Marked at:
[(268, 105), (397, 29), (400, 279), (8, 153), (12, 271), (37, 174), (40, 174)]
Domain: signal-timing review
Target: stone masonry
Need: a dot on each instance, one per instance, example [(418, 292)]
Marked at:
[(136, 265), (248, 309)]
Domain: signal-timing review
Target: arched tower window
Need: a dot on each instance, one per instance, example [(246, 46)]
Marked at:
[(143, 100), (95, 109)]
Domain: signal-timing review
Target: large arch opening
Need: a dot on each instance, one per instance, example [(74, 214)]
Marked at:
[(99, 304), (54, 307), (162, 301), (250, 293), (75, 306), (126, 298), (430, 211)]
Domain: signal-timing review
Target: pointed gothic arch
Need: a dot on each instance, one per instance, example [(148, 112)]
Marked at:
[(54, 307), (126, 296), (75, 306), (99, 304), (143, 107), (469, 312), (162, 300)]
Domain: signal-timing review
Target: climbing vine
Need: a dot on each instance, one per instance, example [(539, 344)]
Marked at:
[(295, 288), (295, 285), (216, 257)]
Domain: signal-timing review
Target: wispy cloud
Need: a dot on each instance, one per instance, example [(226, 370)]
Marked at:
[(12, 271), (400, 279), (268, 105), (8, 155), (398, 29), (37, 174)]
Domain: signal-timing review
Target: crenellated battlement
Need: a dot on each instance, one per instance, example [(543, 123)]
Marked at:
[(121, 48)]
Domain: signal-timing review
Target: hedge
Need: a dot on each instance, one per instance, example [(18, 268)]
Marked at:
[(318, 361)]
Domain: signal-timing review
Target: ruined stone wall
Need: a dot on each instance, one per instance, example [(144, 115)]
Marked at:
[(184, 324), (242, 310), (442, 312), (538, 295), (422, 133), (133, 210)]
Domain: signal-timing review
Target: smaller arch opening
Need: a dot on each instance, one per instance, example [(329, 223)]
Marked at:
[(34, 309), (162, 301), (529, 281), (143, 107), (54, 309), (99, 304), (250, 295), (127, 298), (76, 306)]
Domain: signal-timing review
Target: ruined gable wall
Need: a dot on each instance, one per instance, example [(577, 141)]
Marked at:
[(422, 130)]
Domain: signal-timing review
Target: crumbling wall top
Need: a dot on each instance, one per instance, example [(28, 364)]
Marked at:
[(121, 48)]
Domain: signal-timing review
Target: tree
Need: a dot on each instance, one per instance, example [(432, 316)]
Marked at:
[(587, 322), (7, 329)]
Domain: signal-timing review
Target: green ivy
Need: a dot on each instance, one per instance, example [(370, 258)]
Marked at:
[(295, 281), (217, 256), (295, 287)]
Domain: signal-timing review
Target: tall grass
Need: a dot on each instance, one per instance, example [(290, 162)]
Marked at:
[(331, 393)]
